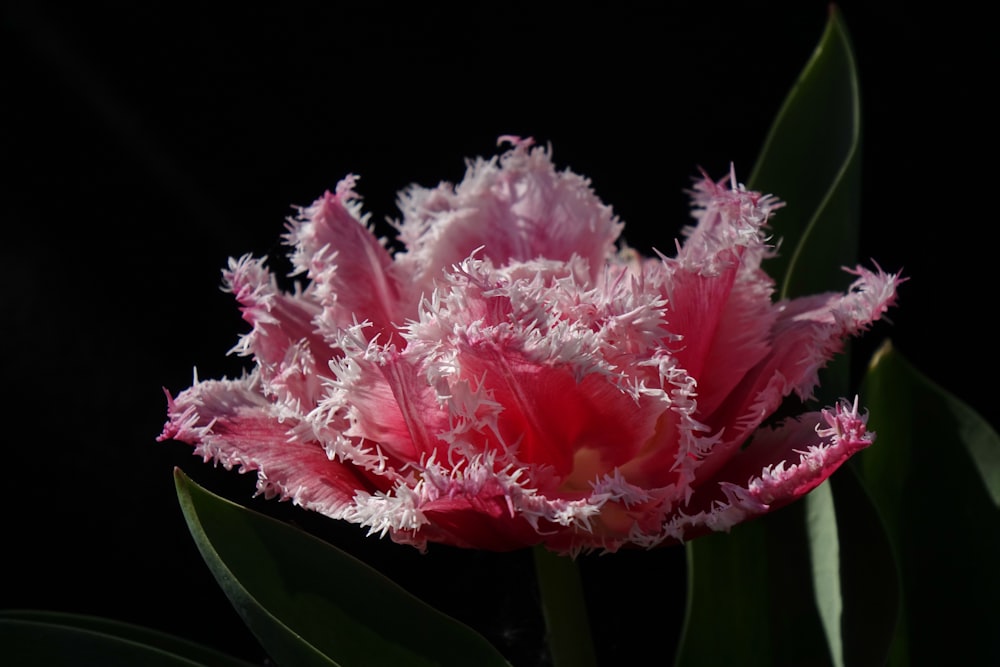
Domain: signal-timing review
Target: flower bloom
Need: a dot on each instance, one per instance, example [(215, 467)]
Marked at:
[(513, 376)]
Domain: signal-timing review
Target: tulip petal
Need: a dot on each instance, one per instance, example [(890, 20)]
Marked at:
[(720, 299), (350, 269), (284, 341), (231, 423), (517, 207), (779, 466)]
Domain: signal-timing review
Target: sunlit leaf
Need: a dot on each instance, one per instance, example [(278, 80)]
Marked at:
[(854, 571), (824, 552), (311, 604)]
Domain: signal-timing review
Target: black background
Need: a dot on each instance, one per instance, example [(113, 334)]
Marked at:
[(144, 146)]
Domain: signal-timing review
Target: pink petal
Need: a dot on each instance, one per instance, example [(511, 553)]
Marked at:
[(388, 402), (779, 466), (720, 299), (582, 429), (724, 325), (480, 521)]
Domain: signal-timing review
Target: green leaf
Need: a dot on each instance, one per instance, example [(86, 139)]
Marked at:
[(811, 161), (934, 475), (29, 637), (311, 604)]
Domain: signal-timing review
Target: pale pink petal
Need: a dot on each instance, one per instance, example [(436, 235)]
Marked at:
[(516, 207), (817, 330), (283, 341), (387, 402), (231, 423), (727, 218), (350, 268)]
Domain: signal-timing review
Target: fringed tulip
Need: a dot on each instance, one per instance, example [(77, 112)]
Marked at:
[(514, 376)]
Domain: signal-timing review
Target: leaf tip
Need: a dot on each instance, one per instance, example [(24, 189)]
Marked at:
[(883, 351)]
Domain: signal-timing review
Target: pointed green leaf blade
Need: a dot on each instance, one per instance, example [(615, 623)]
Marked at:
[(824, 553), (311, 604), (933, 475), (811, 161)]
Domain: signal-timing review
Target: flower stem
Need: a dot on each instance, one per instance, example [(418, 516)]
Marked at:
[(564, 609)]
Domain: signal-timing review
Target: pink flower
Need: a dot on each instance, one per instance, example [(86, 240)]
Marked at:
[(513, 377)]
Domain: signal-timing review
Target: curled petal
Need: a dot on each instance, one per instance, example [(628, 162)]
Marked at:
[(779, 466)]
